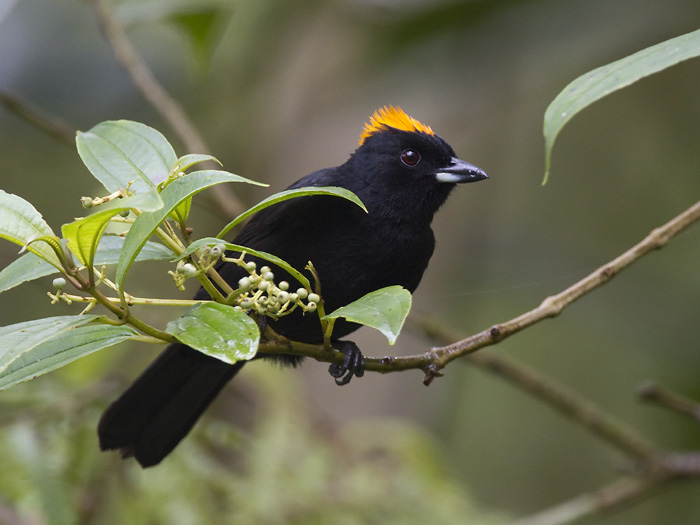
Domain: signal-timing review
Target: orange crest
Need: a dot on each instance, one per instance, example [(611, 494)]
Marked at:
[(392, 117)]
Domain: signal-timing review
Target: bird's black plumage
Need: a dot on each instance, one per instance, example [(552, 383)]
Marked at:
[(403, 173)]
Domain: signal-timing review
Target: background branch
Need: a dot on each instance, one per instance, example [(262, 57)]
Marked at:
[(44, 121)]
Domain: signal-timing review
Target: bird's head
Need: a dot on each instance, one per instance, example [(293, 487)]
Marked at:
[(402, 164)]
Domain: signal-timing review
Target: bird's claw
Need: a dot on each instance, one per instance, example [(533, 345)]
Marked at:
[(353, 365)]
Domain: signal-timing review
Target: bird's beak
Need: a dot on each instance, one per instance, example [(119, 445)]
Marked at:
[(459, 171)]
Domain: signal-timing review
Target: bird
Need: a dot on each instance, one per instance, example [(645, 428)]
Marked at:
[(403, 173)]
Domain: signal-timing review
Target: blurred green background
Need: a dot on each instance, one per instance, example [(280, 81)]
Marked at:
[(286, 91)]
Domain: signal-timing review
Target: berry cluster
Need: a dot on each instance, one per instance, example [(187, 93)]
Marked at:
[(260, 293)]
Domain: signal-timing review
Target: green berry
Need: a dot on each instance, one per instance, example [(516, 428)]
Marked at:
[(59, 283), (264, 285), (302, 293), (314, 298), (284, 285), (283, 297), (250, 266), (86, 202), (268, 276), (124, 213), (244, 284), (188, 270), (264, 270), (311, 306)]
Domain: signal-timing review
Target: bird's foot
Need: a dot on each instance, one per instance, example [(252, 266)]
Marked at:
[(353, 365)]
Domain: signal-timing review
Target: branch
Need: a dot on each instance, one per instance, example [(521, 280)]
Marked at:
[(159, 98), (617, 493), (46, 122), (554, 305), (432, 361), (665, 398)]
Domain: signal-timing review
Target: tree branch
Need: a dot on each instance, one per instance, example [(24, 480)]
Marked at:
[(621, 491), (432, 361), (665, 398), (46, 122)]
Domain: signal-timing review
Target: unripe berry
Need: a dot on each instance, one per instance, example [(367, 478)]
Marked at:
[(59, 283), (302, 293), (250, 266), (311, 306), (244, 284), (314, 298), (188, 270)]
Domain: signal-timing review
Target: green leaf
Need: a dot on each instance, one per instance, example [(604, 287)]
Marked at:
[(33, 348), (211, 241), (26, 268), (291, 194), (120, 151), (385, 309), (21, 223), (176, 192), (187, 161), (602, 81), (217, 330), (83, 235), (30, 267)]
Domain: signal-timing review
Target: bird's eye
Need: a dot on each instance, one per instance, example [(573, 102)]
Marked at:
[(410, 157)]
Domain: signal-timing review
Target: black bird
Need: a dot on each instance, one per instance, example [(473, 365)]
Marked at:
[(403, 173)]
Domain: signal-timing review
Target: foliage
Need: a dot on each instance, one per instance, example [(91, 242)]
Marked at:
[(151, 194)]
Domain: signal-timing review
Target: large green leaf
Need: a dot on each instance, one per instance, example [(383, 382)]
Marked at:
[(385, 309), (83, 235), (211, 241), (292, 194), (120, 151), (217, 330), (175, 193), (21, 223), (602, 81), (33, 348), (29, 267)]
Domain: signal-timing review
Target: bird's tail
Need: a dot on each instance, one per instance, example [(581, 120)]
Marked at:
[(162, 405)]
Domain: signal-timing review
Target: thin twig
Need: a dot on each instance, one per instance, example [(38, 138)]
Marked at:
[(621, 491), (159, 98), (665, 398), (46, 122)]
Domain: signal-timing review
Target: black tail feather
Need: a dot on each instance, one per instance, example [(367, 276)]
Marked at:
[(162, 405)]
